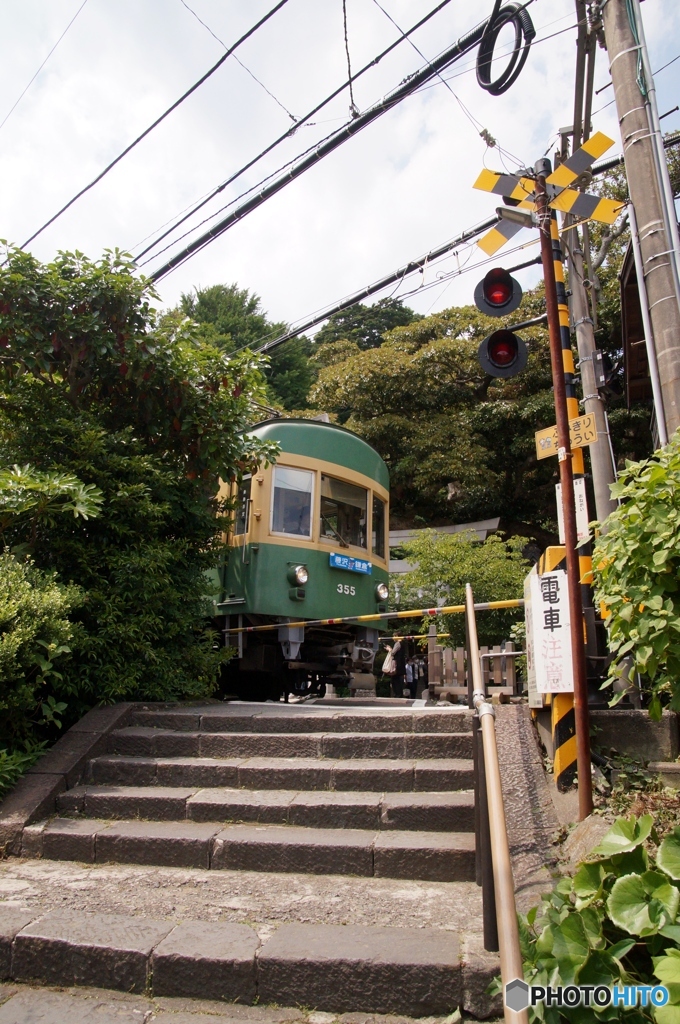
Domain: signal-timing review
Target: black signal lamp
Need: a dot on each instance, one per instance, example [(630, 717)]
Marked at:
[(498, 293), (502, 354)]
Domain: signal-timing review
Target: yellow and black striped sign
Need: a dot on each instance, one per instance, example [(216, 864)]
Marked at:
[(510, 186), (574, 166), (493, 240), (586, 206)]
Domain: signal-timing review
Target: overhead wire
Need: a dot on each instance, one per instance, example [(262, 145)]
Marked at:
[(303, 122), (147, 131), (353, 109), (476, 124), (523, 27), (25, 90), (239, 61)]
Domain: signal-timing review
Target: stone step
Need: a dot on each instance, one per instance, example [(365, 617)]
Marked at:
[(424, 812), (369, 774), (145, 741), (429, 856), (333, 968), (237, 717)]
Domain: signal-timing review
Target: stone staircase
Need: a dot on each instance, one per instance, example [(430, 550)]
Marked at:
[(383, 793)]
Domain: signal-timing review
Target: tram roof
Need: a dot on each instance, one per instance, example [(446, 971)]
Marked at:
[(326, 441)]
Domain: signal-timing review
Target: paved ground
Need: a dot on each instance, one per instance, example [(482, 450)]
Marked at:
[(22, 1004)]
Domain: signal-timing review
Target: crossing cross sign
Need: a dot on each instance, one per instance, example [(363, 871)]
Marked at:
[(520, 190)]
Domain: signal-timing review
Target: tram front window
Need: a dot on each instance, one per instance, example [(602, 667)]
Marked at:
[(343, 513), (292, 502)]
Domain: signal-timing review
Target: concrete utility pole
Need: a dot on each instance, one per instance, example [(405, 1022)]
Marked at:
[(601, 460), (648, 192)]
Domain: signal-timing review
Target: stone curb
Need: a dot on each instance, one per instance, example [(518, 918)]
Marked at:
[(61, 767), (336, 968)]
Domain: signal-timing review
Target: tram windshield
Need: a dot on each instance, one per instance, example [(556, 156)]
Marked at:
[(343, 513), (292, 502), (378, 530)]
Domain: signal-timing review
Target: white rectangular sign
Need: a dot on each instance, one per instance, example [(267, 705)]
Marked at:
[(536, 699), (581, 502), (551, 635)]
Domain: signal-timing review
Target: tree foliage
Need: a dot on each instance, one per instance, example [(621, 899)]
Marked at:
[(495, 569), (95, 385), (232, 318), (459, 444), (366, 325), (637, 573), (35, 634)]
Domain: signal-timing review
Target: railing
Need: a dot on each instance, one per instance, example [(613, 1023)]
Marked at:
[(494, 869)]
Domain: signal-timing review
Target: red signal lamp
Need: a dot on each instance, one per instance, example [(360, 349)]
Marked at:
[(502, 354), (498, 293)]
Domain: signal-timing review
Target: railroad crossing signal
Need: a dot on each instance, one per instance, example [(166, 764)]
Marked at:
[(502, 354), (519, 190), (498, 293)]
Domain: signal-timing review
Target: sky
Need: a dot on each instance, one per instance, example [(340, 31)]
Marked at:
[(399, 188)]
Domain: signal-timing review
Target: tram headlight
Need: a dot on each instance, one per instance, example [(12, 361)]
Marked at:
[(298, 575), (382, 591)]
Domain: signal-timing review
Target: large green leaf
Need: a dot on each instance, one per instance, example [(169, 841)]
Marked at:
[(624, 835), (599, 969), (588, 882), (643, 904), (667, 968), (570, 947), (668, 856), (667, 1014)]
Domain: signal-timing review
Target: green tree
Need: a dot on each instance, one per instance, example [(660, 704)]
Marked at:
[(366, 325), (232, 318), (637, 574), (459, 444), (495, 569), (95, 384)]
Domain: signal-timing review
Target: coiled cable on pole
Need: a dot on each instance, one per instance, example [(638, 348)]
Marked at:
[(512, 14)]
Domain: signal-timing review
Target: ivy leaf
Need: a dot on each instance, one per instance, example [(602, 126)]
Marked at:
[(599, 969), (625, 835), (642, 904), (668, 856), (588, 883), (621, 949), (570, 947)]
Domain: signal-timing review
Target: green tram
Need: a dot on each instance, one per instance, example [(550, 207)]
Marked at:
[(309, 540)]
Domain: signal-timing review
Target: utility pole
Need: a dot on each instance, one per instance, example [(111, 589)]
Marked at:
[(649, 191), (562, 366), (582, 319)]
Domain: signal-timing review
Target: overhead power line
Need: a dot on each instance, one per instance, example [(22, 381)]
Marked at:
[(158, 120), (333, 141), (377, 286), (291, 131), (22, 94)]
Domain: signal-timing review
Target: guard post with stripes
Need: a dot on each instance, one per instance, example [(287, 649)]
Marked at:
[(562, 718)]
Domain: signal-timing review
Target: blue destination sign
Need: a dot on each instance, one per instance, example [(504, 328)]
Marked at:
[(352, 564)]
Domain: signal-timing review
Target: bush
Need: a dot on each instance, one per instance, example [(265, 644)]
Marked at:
[(614, 922), (446, 562), (35, 633), (637, 574), (143, 414)]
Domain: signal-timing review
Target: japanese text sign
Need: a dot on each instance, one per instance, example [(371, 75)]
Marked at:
[(582, 432), (352, 564), (552, 637)]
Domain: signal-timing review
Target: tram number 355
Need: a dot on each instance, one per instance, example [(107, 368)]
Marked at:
[(344, 588)]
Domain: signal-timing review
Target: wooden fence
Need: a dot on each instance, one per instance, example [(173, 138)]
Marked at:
[(448, 671)]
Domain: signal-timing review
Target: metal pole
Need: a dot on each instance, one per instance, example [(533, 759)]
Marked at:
[(647, 326), (564, 456), (504, 888), (646, 193), (489, 913)]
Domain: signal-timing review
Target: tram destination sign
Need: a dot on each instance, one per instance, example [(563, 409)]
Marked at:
[(582, 432), (351, 564)]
